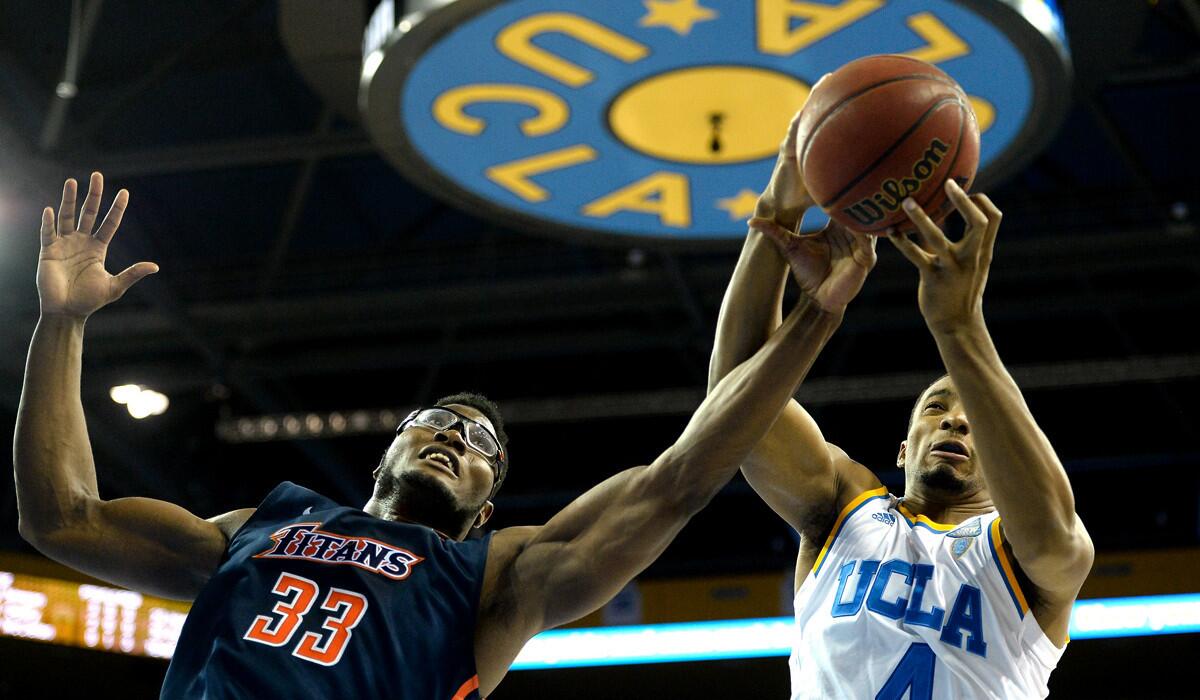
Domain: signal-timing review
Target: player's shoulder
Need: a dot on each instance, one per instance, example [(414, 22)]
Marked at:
[(854, 486), (507, 543), (505, 548), (281, 500), (501, 596), (854, 481), (288, 496), (229, 523)]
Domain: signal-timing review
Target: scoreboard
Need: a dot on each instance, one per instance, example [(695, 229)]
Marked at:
[(89, 616)]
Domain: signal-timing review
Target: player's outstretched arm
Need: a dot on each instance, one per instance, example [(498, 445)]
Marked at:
[(1026, 480), (793, 469), (147, 545), (543, 577)]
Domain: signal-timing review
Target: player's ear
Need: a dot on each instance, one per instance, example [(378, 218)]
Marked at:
[(485, 514), (900, 456)]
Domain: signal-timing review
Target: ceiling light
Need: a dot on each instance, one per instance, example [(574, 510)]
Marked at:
[(139, 401)]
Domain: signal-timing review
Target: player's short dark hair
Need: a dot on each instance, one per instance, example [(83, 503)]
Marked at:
[(912, 413), (487, 407)]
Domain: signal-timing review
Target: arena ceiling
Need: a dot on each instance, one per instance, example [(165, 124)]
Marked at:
[(301, 274)]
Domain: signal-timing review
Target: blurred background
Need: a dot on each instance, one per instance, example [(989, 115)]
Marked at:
[(311, 295)]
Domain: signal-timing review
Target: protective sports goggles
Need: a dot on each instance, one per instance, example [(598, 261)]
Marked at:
[(477, 437)]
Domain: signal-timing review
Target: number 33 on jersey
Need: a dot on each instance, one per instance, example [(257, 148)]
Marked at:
[(313, 599)]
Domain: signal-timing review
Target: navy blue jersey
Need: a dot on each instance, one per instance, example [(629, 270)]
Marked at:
[(316, 600)]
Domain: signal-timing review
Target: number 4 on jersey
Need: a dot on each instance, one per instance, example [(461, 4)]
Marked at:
[(915, 672), (346, 609)]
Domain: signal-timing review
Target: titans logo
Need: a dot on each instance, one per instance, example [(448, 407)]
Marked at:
[(305, 541)]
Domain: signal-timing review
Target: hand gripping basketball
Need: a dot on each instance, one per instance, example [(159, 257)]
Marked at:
[(830, 265), (785, 198), (881, 129), (71, 278), (953, 275)]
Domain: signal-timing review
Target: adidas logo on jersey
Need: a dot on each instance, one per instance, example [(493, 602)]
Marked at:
[(305, 541), (885, 518)]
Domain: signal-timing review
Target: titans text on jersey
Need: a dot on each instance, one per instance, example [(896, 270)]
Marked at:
[(305, 541)]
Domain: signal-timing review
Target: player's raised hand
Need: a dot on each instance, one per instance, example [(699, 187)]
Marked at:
[(785, 198), (830, 265), (953, 274), (71, 278)]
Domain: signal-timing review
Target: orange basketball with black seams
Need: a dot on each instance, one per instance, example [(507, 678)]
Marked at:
[(883, 128)]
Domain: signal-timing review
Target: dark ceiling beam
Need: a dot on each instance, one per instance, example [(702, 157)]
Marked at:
[(27, 177), (499, 303), (825, 391), (1129, 156), (1191, 8), (514, 346), (1129, 343), (617, 297), (131, 334), (159, 70), (1156, 72), (84, 16), (691, 307), (271, 150), (126, 358), (297, 196), (822, 391), (433, 367), (193, 332), (175, 376)]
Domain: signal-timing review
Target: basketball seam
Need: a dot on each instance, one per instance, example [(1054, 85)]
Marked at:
[(962, 127), (890, 149), (842, 103)]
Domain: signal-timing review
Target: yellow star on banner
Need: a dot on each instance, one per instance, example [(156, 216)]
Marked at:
[(739, 206), (679, 15)]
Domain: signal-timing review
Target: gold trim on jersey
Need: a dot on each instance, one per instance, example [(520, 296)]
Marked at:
[(997, 542), (913, 519), (841, 520)]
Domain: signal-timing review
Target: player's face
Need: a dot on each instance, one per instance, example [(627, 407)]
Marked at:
[(444, 456), (939, 453)]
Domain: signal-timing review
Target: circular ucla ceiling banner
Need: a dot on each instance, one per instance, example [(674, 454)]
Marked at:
[(662, 118)]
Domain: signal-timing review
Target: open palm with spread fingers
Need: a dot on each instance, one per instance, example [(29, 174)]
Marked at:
[(953, 274), (71, 278)]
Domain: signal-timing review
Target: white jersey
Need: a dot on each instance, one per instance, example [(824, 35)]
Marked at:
[(898, 606)]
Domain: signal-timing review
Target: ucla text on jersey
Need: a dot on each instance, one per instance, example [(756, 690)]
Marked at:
[(966, 615), (899, 606)]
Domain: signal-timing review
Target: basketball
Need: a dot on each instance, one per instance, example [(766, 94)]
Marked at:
[(883, 128)]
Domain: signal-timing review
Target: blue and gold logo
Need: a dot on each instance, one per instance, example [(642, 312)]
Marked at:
[(662, 118), (971, 528), (964, 536)]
